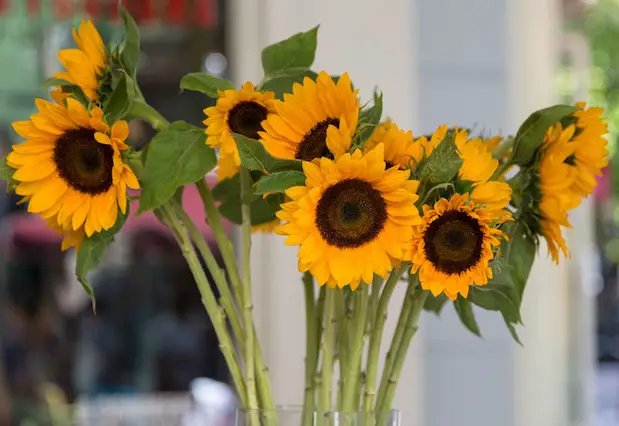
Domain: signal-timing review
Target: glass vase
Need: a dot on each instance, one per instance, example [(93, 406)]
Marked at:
[(295, 416)]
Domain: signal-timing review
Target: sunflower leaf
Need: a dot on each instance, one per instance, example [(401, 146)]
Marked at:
[(464, 308), (435, 304), (369, 119), (6, 173), (254, 156), (262, 210), (177, 156), (205, 83), (281, 82), (512, 330), (54, 82), (297, 51), (120, 103), (442, 165), (531, 133), (130, 54), (494, 297), (91, 253), (228, 189), (279, 182), (519, 253)]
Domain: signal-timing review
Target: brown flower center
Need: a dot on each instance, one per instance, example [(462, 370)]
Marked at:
[(85, 164), (245, 118), (314, 143), (351, 213), (453, 242)]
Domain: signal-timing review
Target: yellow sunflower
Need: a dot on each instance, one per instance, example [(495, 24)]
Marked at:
[(352, 219), (453, 246), (85, 66), (400, 148), (298, 129), (267, 227), (590, 153), (437, 137), (70, 238), (239, 112), (478, 166), (556, 177), (70, 168)]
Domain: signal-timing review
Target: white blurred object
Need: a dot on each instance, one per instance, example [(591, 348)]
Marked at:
[(214, 404), (216, 64)]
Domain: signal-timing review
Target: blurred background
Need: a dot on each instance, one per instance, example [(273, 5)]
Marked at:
[(485, 64)]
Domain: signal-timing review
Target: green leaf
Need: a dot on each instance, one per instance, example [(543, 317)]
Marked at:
[(466, 314), (54, 82), (369, 118), (281, 82), (494, 297), (91, 253), (178, 198), (205, 83), (443, 165), (531, 134), (435, 304), (262, 210), (279, 182), (177, 156), (519, 253), (512, 330), (120, 103), (130, 54), (6, 173), (227, 189), (255, 157), (297, 51)]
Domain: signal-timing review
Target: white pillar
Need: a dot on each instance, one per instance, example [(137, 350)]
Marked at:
[(375, 44)]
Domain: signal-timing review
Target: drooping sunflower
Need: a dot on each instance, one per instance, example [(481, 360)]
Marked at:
[(239, 112), (453, 246), (70, 237), (556, 178), (590, 153), (86, 65), (352, 219), (70, 168), (298, 129), (400, 148), (478, 166)]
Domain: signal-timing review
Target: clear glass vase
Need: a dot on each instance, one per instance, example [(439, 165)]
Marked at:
[(295, 416)]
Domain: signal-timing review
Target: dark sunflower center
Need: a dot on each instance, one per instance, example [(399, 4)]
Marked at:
[(314, 143), (246, 117), (85, 164), (351, 213), (453, 242)]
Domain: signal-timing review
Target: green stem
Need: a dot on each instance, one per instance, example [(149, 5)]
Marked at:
[(218, 274), (501, 170), (352, 374), (214, 310), (377, 284), (311, 356), (250, 377), (140, 109), (328, 346), (398, 333), (376, 338), (385, 398)]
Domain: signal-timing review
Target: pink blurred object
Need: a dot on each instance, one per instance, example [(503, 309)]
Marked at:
[(30, 227), (604, 189)]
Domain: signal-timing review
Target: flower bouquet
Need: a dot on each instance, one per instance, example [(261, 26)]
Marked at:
[(455, 217)]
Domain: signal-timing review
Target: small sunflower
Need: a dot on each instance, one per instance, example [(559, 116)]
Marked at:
[(70, 168), (556, 177), (453, 246), (239, 112), (267, 227), (478, 166), (86, 65), (434, 140), (400, 148), (298, 130), (590, 153), (352, 219)]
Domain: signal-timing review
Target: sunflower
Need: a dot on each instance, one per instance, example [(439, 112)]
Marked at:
[(352, 219), (556, 177), (70, 238), (267, 227), (299, 128), (70, 168), (590, 153), (453, 246), (239, 112), (434, 140), (400, 148), (478, 167), (86, 65)]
